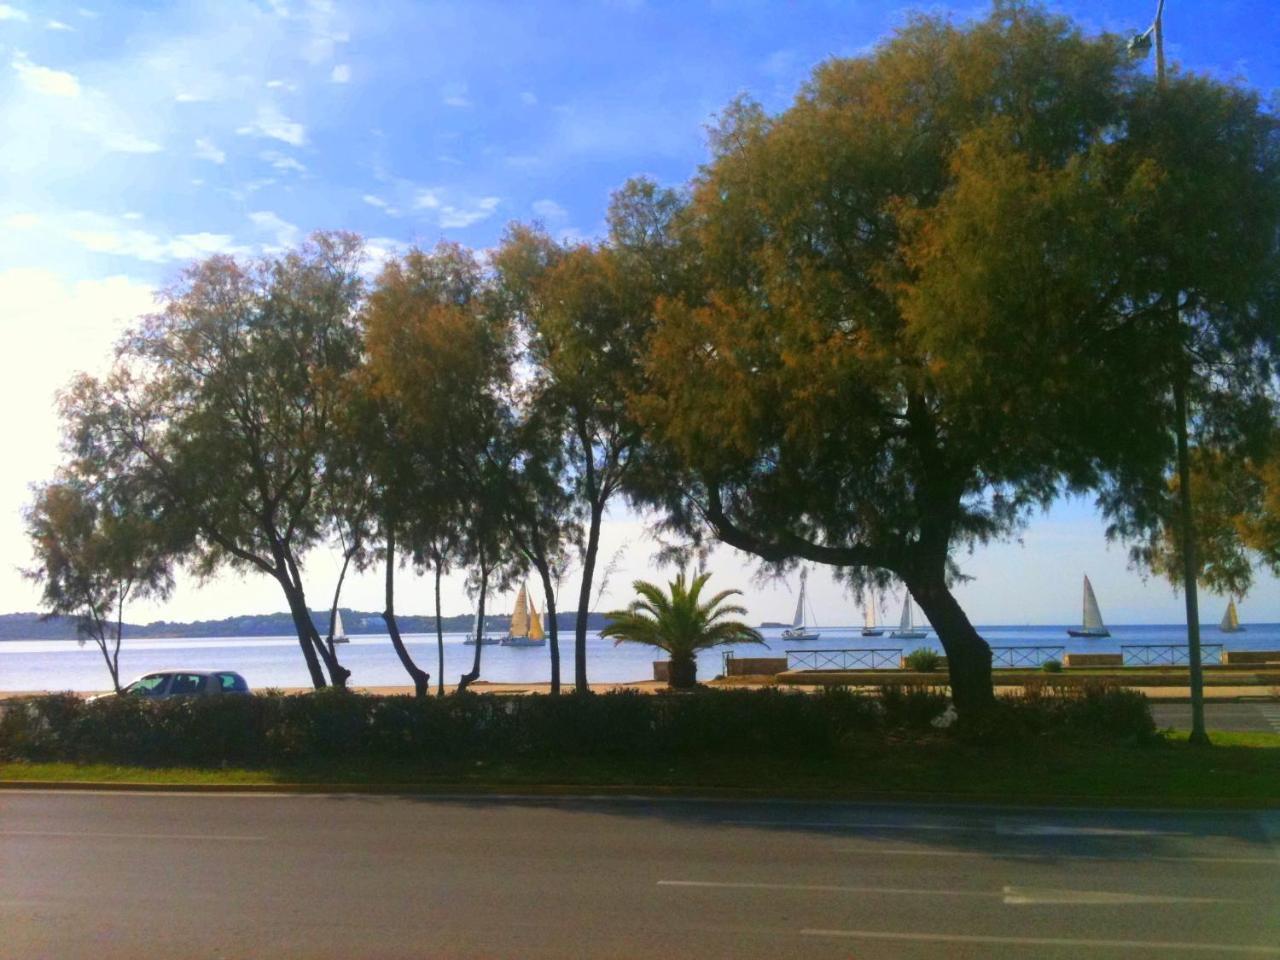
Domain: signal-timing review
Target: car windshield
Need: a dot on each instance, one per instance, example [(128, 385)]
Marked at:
[(184, 683), (149, 686), (232, 683)]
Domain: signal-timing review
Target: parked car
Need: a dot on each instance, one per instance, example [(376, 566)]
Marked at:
[(187, 683)]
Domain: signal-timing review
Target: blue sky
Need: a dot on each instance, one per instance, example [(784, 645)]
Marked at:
[(140, 135)]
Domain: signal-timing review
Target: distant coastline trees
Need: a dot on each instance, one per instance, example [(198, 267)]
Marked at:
[(960, 275)]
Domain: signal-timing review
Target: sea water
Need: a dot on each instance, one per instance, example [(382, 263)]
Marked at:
[(277, 661)]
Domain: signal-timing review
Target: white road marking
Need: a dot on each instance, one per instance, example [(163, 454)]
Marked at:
[(1164, 945), (1005, 829), (996, 855), (827, 888), (1012, 896), (1030, 896), (122, 836)]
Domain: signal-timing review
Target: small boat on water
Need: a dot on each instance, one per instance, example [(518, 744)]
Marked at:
[(869, 626), (799, 629), (1230, 620), (339, 631), (907, 629), (1092, 625), (526, 625), (485, 639)]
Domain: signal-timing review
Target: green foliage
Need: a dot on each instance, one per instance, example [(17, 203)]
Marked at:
[(922, 660), (336, 726), (680, 622), (1051, 666)]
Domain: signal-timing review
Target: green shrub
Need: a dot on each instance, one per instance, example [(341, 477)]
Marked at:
[(1051, 666), (922, 660), (912, 706)]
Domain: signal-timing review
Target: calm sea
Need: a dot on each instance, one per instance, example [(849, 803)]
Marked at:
[(277, 662)]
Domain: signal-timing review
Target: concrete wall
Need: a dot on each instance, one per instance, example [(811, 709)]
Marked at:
[(756, 666), (1093, 660), (1250, 656)]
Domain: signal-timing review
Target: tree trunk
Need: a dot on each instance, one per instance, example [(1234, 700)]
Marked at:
[(439, 633), (337, 594), (421, 679), (682, 673), (1190, 567), (291, 580), (584, 600), (474, 674), (304, 628), (553, 629), (113, 665), (968, 656)]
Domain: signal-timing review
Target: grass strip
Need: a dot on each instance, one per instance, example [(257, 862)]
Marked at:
[(1243, 770)]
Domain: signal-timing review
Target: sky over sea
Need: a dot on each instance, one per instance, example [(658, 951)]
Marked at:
[(139, 136)]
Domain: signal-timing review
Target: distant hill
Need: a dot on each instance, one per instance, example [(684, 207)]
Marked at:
[(769, 623), (31, 626)]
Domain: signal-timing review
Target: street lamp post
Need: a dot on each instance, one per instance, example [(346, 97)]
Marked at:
[(1186, 515)]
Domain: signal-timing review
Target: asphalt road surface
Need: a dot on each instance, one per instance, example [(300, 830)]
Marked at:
[(107, 875), (1260, 717)]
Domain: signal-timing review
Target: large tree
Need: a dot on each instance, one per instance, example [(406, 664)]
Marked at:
[(95, 551), (586, 311), (221, 411), (439, 375), (918, 316)]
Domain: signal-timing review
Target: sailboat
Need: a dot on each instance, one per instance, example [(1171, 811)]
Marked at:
[(1230, 620), (485, 639), (1093, 625), (339, 631), (907, 629), (869, 626), (799, 629), (526, 625)]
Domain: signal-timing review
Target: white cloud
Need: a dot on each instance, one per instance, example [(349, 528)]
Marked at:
[(325, 31), (282, 161), (187, 96), (284, 85), (13, 13), (151, 247), (285, 233), (549, 210), (133, 215), (426, 200), (461, 217), (57, 25), (275, 125), (22, 221), (208, 150), (341, 73), (455, 95), (53, 83), (375, 201), (119, 141), (529, 98)]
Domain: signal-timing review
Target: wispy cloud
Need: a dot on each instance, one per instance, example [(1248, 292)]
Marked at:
[(374, 200), (13, 13), (529, 98), (284, 232), (152, 247), (282, 161), (50, 82), (451, 216), (426, 200), (455, 95), (549, 210), (121, 141), (341, 73), (57, 25), (275, 125), (208, 150)]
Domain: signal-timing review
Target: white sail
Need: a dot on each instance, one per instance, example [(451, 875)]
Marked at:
[(905, 625), (1092, 615), (798, 620), (1230, 619), (339, 631), (520, 615)]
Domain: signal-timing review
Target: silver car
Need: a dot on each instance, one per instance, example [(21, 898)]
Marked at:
[(187, 683)]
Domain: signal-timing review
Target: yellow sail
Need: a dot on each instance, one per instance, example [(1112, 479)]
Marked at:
[(535, 623), (520, 616)]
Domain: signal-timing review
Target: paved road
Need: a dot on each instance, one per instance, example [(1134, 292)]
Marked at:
[(1260, 717), (111, 875)]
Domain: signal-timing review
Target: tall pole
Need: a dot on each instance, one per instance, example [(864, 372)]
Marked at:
[(1186, 514)]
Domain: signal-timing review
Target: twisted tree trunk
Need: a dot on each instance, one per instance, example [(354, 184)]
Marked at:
[(421, 679)]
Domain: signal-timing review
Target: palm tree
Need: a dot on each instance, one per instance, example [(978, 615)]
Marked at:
[(679, 624)]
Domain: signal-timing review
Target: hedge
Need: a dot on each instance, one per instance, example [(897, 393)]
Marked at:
[(273, 729)]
